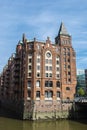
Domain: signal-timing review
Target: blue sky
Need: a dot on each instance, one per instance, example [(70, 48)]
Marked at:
[(42, 18)]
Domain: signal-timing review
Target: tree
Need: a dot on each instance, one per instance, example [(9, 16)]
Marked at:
[(81, 92)]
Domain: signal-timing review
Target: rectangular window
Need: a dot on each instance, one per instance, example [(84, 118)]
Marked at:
[(30, 60), (57, 62), (29, 93), (29, 74), (58, 84), (69, 80), (50, 67), (68, 53), (30, 54), (48, 83), (68, 60), (57, 68), (57, 75), (46, 61), (46, 74), (38, 67), (68, 88), (50, 74), (46, 67), (38, 60), (69, 73), (29, 84), (64, 66), (64, 59), (37, 83), (58, 94), (50, 61), (38, 94), (68, 66), (48, 94), (38, 74), (29, 67)]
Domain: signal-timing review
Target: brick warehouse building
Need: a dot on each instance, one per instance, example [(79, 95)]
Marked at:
[(39, 80)]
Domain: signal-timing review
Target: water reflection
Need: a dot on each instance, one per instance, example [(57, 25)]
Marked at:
[(12, 124)]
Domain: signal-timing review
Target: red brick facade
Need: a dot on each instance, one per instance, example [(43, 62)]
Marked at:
[(41, 71)]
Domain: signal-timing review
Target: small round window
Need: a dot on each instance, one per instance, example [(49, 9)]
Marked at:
[(48, 55)]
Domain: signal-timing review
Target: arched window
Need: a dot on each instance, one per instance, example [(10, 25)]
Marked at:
[(38, 74), (29, 93), (38, 94), (58, 94), (48, 94), (48, 83), (58, 84), (29, 84), (37, 83)]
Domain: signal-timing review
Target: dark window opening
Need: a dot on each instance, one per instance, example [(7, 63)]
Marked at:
[(67, 88), (48, 94), (57, 84), (58, 94), (48, 83), (38, 94)]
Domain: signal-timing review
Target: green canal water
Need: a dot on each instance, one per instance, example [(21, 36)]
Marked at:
[(7, 123), (13, 124)]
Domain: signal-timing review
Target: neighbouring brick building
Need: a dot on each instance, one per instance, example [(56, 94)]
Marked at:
[(40, 77)]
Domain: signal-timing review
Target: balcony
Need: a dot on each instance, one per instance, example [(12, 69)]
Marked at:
[(17, 68)]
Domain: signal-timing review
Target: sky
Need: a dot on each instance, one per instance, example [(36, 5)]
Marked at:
[(40, 19)]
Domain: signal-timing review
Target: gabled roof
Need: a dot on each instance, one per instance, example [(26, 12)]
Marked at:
[(62, 30)]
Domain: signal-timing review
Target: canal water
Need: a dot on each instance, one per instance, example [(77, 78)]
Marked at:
[(13, 124), (8, 123)]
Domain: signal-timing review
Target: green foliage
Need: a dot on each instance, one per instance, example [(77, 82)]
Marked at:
[(81, 92)]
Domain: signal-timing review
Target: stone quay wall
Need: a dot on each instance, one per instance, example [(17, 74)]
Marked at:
[(39, 110)]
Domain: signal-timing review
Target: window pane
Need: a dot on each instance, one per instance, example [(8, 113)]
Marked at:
[(29, 67), (29, 84), (29, 93), (30, 60), (46, 74), (38, 74), (68, 73), (46, 60), (50, 74), (50, 61), (50, 94), (57, 62), (67, 88), (57, 68), (38, 83), (46, 94), (29, 74), (38, 60), (58, 94), (38, 67), (38, 94), (58, 84), (48, 83), (46, 67), (50, 67), (57, 75)]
